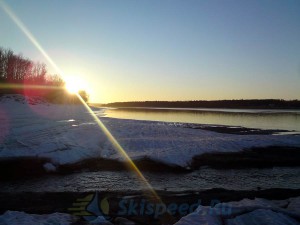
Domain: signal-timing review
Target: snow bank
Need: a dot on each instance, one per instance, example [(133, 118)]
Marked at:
[(257, 211), (262, 217), (244, 212), (17, 218), (67, 134)]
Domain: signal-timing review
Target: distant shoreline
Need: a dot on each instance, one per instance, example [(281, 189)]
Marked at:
[(224, 104), (208, 110)]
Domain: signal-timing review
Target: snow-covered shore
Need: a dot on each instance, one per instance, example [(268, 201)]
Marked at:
[(66, 134)]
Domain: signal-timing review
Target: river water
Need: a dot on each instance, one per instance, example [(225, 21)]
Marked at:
[(261, 119)]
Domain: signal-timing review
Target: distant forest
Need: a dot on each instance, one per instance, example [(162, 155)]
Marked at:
[(236, 104), (20, 75)]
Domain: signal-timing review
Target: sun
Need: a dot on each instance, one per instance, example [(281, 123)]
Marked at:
[(74, 85)]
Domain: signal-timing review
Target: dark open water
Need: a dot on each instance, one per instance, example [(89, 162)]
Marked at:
[(205, 178)]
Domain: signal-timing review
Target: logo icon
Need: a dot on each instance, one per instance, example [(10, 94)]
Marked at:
[(90, 208)]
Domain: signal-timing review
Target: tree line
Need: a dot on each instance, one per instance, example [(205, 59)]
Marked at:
[(17, 69), (20, 75)]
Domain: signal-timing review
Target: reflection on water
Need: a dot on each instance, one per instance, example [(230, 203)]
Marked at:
[(263, 119), (205, 178)]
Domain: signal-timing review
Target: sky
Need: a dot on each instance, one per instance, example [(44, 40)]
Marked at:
[(136, 50)]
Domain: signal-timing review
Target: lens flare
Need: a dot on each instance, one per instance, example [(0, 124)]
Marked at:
[(119, 148), (111, 138), (28, 86), (29, 35)]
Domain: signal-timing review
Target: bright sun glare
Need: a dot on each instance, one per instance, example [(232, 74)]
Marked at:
[(75, 84)]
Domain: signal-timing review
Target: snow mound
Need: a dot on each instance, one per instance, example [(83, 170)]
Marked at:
[(17, 218), (262, 217), (294, 205), (245, 212), (49, 167)]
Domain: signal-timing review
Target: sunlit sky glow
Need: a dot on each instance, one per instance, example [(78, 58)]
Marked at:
[(165, 50)]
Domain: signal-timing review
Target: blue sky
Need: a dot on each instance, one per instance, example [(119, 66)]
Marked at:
[(168, 49)]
